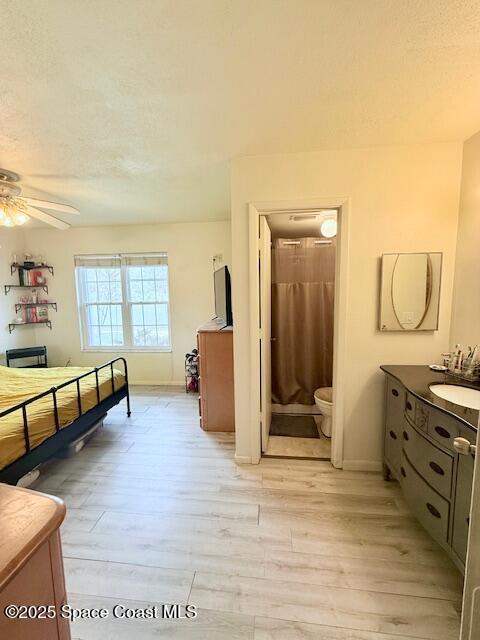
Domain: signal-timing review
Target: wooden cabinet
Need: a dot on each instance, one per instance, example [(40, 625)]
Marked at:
[(436, 481), (216, 401), (31, 564)]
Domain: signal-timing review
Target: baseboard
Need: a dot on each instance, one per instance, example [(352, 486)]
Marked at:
[(243, 459), (362, 465)]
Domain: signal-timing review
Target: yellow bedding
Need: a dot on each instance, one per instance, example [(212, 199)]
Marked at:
[(18, 385)]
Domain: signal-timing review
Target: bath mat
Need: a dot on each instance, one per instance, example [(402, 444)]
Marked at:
[(293, 426)]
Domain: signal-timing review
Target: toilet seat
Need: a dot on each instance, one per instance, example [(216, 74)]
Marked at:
[(324, 394)]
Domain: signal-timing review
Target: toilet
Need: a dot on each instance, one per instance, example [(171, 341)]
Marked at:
[(324, 401)]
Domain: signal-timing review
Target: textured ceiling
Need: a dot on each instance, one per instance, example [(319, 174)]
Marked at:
[(131, 109)]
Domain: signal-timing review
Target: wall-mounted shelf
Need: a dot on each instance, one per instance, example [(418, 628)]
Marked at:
[(7, 287), (30, 314), (26, 305), (12, 325), (15, 266)]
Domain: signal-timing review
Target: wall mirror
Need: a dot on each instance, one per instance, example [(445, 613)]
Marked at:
[(410, 291)]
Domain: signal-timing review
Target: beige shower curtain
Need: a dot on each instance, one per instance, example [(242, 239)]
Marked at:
[(303, 282)]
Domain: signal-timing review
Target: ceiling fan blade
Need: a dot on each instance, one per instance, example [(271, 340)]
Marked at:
[(46, 217), (54, 206)]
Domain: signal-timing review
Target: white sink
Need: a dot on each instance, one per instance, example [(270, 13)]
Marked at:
[(463, 396)]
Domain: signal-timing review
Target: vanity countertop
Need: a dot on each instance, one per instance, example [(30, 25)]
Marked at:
[(418, 378)]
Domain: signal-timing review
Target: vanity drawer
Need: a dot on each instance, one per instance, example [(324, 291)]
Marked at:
[(443, 428), (430, 509), (416, 411), (410, 406), (393, 448), (421, 416), (434, 465), (395, 405)]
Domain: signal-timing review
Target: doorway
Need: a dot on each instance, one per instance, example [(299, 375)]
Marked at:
[(296, 275), (256, 211)]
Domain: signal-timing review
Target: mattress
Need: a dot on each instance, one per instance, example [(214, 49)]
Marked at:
[(18, 385)]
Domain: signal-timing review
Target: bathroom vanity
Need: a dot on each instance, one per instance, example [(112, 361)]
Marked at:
[(422, 446)]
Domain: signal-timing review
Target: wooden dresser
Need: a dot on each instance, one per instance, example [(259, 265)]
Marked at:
[(216, 401), (31, 564)]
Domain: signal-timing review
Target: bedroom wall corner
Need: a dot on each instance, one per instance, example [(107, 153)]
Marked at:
[(11, 241)]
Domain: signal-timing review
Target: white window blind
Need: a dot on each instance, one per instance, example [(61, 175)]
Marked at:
[(123, 301)]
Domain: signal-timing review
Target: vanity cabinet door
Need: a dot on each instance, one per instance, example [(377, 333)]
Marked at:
[(434, 465), (395, 405), (463, 496), (430, 509)]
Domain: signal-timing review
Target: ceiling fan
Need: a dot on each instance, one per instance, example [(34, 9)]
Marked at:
[(16, 209)]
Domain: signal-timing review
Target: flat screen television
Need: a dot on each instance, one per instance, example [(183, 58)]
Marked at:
[(223, 295)]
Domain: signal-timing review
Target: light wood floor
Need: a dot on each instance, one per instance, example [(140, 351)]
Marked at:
[(158, 512), (294, 447)]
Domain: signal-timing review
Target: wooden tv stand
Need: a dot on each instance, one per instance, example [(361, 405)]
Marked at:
[(216, 400)]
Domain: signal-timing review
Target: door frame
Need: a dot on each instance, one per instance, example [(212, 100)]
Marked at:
[(265, 335), (255, 210)]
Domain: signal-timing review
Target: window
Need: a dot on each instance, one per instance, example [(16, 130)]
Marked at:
[(123, 301)]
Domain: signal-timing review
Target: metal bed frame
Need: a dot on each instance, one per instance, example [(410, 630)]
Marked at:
[(63, 437)]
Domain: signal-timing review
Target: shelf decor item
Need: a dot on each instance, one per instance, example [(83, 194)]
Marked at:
[(28, 263), (42, 314)]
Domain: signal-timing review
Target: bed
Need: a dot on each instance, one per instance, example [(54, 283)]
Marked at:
[(42, 411)]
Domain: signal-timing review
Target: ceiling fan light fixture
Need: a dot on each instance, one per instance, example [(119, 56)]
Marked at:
[(12, 213), (20, 218), (16, 210)]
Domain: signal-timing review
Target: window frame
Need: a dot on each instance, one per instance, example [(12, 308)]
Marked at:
[(126, 307)]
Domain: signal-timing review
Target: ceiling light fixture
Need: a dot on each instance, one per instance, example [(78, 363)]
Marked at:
[(328, 227)]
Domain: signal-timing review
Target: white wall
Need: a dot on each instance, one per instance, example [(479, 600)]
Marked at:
[(466, 299), (11, 241), (190, 248), (401, 199)]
